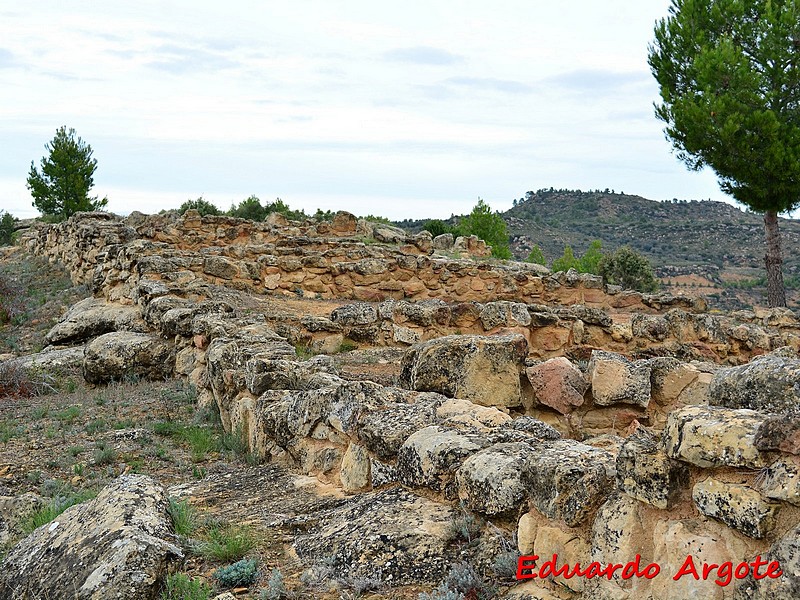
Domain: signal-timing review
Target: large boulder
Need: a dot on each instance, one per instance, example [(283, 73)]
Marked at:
[(121, 353), (482, 369), (92, 317), (770, 383), (117, 546)]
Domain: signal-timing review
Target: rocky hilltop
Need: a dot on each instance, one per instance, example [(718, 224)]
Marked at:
[(491, 410)]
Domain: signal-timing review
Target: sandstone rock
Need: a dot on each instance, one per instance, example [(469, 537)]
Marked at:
[(709, 436), (92, 317), (781, 480), (536, 428), (557, 383), (491, 481), (115, 355), (443, 241), (485, 370), (770, 383), (674, 542), (389, 234), (404, 335), (431, 456), (314, 324), (646, 473), (262, 374), (384, 429), (618, 535), (423, 313), (219, 266), (504, 314), (117, 546), (391, 534), (50, 359), (650, 327), (355, 471), (14, 510), (617, 380), (570, 549), (567, 480), (738, 506), (350, 315), (669, 377), (786, 551), (344, 223), (780, 432)]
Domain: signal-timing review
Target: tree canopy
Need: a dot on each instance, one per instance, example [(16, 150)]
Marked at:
[(489, 226), (67, 174), (729, 76)]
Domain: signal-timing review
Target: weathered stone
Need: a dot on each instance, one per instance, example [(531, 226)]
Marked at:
[(443, 241), (315, 324), (483, 369), (617, 380), (781, 480), (537, 429), (92, 317), (738, 506), (117, 546), (382, 473), (384, 429), (219, 266), (14, 511), (786, 552), (769, 383), (404, 335), (389, 234), (780, 432), (650, 327), (646, 473), (709, 436), (262, 374), (567, 480), (557, 383), (504, 314), (490, 481), (115, 355), (351, 315), (669, 377), (569, 548), (354, 474), (431, 456)]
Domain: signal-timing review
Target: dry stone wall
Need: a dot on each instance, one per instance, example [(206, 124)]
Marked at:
[(565, 412)]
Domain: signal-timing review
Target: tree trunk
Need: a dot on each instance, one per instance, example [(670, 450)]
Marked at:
[(776, 293)]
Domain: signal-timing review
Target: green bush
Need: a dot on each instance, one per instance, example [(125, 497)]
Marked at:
[(439, 227), (183, 516), (227, 543), (536, 256), (566, 262), (204, 207), (250, 208), (240, 574), (628, 269)]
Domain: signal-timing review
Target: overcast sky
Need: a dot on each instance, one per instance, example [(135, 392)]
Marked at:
[(402, 109)]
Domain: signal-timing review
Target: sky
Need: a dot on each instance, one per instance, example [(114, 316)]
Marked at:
[(403, 109)]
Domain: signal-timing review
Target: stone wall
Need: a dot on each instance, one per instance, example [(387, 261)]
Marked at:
[(560, 410)]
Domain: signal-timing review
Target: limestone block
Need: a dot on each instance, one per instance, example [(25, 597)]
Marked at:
[(118, 545), (780, 432), (769, 383), (384, 429), (709, 436), (646, 473), (738, 506), (219, 266), (113, 355), (567, 480), (459, 413), (430, 457), (557, 383), (782, 480), (491, 480), (482, 369), (404, 335), (350, 315), (617, 380), (786, 551), (504, 314), (669, 378), (355, 471)]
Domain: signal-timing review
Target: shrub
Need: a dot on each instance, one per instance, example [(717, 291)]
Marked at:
[(536, 256), (204, 207), (55, 507), (239, 574), (180, 586), (19, 382), (275, 590), (465, 527), (590, 262), (250, 208), (629, 269), (566, 262)]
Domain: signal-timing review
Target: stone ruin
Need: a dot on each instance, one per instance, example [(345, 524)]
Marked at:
[(583, 420)]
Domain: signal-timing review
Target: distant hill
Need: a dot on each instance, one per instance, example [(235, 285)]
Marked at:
[(708, 247)]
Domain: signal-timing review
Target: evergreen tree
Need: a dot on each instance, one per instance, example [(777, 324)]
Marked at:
[(489, 226), (729, 75), (67, 174)]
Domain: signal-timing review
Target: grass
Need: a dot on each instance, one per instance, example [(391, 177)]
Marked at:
[(201, 441), (180, 586), (104, 455), (8, 431), (183, 516), (68, 415), (227, 543), (55, 507)]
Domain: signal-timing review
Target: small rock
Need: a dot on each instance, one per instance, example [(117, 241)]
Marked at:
[(738, 506)]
